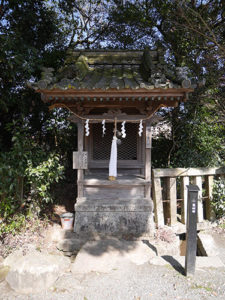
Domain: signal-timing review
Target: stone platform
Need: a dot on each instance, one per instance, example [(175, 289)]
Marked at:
[(114, 217)]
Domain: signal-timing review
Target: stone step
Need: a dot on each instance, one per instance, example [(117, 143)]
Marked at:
[(114, 183), (121, 180), (114, 205)]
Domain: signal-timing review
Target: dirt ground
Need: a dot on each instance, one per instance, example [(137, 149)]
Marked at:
[(131, 282), (127, 282)]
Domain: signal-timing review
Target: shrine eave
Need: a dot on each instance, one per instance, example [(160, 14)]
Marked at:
[(71, 96)]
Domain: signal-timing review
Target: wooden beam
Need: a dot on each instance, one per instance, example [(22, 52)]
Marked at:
[(114, 104), (123, 164), (74, 119), (112, 118), (187, 172), (73, 103), (142, 92)]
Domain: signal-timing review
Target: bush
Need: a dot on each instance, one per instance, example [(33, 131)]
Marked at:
[(218, 200), (13, 225), (27, 172), (41, 177)]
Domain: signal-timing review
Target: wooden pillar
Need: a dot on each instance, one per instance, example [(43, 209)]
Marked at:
[(198, 181), (80, 172), (172, 196), (210, 215), (148, 146), (158, 204), (184, 195)]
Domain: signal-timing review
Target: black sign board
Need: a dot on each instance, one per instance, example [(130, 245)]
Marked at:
[(191, 233)]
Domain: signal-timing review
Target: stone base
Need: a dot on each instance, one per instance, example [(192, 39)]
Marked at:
[(120, 218)]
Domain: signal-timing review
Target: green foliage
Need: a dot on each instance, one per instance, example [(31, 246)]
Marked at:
[(33, 151), (13, 225), (218, 200), (198, 139), (26, 172), (12, 172), (41, 177)]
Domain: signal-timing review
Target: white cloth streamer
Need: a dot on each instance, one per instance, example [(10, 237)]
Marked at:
[(113, 158), (103, 128), (140, 128), (123, 130), (87, 130)]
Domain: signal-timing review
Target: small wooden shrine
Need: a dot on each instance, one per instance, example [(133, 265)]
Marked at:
[(114, 95)]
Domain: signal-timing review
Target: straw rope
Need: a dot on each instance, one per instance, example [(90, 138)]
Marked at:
[(100, 120)]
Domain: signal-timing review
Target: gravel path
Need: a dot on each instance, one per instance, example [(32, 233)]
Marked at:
[(131, 282)]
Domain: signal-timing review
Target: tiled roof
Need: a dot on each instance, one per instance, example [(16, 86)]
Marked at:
[(104, 70)]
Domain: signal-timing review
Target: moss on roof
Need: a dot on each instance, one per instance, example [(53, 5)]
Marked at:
[(113, 69)]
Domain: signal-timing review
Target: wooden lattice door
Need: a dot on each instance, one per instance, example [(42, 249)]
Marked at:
[(129, 148)]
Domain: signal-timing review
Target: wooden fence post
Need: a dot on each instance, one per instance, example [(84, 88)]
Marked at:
[(210, 215), (172, 196), (158, 205), (184, 195), (198, 182)]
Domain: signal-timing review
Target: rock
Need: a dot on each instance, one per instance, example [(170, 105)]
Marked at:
[(12, 258), (206, 244), (204, 225), (106, 255), (140, 253), (209, 262), (56, 234), (3, 272), (165, 248), (35, 271), (1, 260), (70, 245)]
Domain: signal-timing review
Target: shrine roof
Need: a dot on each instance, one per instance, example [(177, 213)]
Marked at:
[(114, 70)]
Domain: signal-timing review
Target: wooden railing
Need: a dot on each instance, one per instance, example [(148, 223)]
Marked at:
[(165, 190)]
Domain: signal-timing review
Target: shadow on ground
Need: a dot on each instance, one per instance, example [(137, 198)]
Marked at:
[(174, 263)]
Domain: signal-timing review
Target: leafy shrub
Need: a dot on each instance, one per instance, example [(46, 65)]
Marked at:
[(218, 201), (13, 225), (27, 172), (41, 176)]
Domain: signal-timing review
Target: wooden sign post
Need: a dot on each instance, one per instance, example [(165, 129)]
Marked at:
[(191, 233)]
